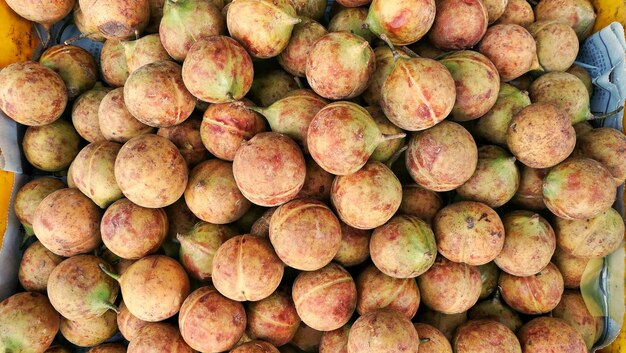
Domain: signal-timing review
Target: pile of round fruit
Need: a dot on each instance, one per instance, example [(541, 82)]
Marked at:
[(299, 187)]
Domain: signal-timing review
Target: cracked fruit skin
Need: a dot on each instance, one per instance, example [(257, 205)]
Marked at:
[(218, 70), (403, 22), (262, 26), (339, 65), (418, 93), (534, 294), (376, 290)]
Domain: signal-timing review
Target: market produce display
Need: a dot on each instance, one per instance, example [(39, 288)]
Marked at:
[(251, 176)]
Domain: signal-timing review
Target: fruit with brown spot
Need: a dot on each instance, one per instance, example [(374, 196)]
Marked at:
[(573, 310), (318, 229), (128, 324), (607, 146), (383, 331), (376, 290), (517, 12), (431, 339), (335, 341), (159, 337), (420, 202), (385, 63), (89, 332), (450, 287), (305, 34), (143, 51), (546, 334), (75, 65), (118, 19), (314, 9), (317, 184), (534, 294), (354, 248), (483, 336), (199, 245), (51, 147), (117, 124), (352, 19), (557, 44), (186, 136), (511, 49), (29, 196), (221, 333), (401, 22), (578, 14), (113, 63), (35, 267), (459, 24), (571, 267), (446, 323)]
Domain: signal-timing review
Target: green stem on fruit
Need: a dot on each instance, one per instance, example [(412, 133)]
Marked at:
[(409, 52), (74, 39), (605, 115), (25, 240), (395, 156), (387, 41), (298, 82), (424, 340), (496, 295), (115, 276), (111, 307), (387, 137)]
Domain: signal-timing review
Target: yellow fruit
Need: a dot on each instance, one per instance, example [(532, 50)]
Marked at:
[(17, 38), (609, 11), (6, 183)]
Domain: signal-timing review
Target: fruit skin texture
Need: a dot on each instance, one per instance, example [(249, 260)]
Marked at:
[(273, 319), (578, 14), (158, 337), (339, 65), (389, 147), (85, 113), (131, 231), (529, 194), (325, 299), (184, 22), (355, 246), (262, 26), (583, 75), (78, 289), (368, 198), (304, 35), (149, 275), (310, 8), (418, 93), (113, 63), (578, 188), (270, 86), (573, 310), (403, 22), (420, 202), (143, 51), (46, 13), (511, 49), (450, 287), (469, 232), (590, 238), (269, 169), (383, 331), (565, 91), (478, 336), (528, 245), (496, 169), (534, 294), (92, 171), (118, 19), (67, 223), (226, 76), (493, 125), (221, 333), (436, 341), (317, 183), (156, 95), (212, 193), (75, 65), (495, 8), (225, 126), (342, 137), (384, 65), (477, 83), (307, 339), (494, 309), (557, 45), (335, 341), (90, 332), (35, 267), (198, 247), (128, 324), (186, 136), (150, 171), (459, 24), (517, 12), (376, 290), (32, 94), (546, 334), (607, 146), (541, 136), (255, 347), (489, 274), (446, 323), (404, 247), (28, 323), (105, 348), (246, 268), (571, 267), (318, 229), (116, 122), (51, 147), (29, 196), (432, 157), (352, 19)]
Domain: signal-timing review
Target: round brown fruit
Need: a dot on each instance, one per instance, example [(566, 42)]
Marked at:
[(78, 289), (420, 202), (221, 333), (326, 298), (469, 232), (383, 331), (376, 290), (318, 229), (186, 136), (113, 63), (51, 147), (557, 44), (489, 274), (450, 287), (273, 319), (92, 172), (335, 341), (246, 268), (91, 331), (85, 113), (573, 310), (546, 334), (571, 267), (511, 49), (368, 198), (270, 86), (116, 122), (494, 309), (355, 246), (306, 339), (517, 12), (150, 171), (28, 323), (32, 94), (578, 14), (68, 223), (317, 183), (304, 35), (199, 245), (75, 65), (128, 324), (529, 194), (118, 19), (106, 348), (255, 347), (35, 267), (459, 24), (534, 294), (607, 146), (529, 243), (29, 196), (402, 22), (159, 337), (483, 336), (431, 339)]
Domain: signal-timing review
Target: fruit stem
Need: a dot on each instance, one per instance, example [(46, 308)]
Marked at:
[(254, 109), (115, 276), (387, 41), (112, 307), (298, 82), (25, 239), (387, 137), (395, 156), (424, 340), (496, 295), (74, 39), (409, 52), (606, 115)]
